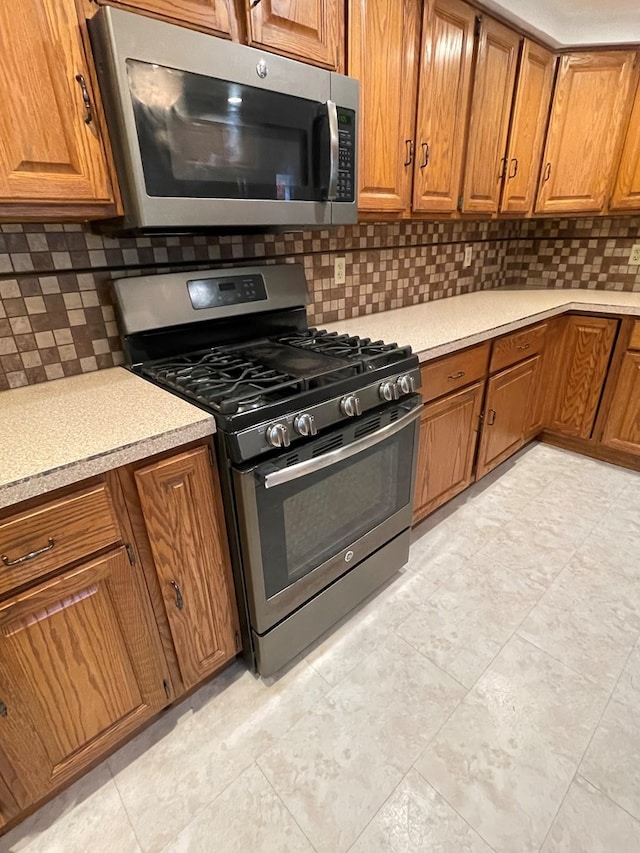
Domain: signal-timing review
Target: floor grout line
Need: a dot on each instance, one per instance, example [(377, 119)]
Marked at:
[(284, 805), (586, 749)]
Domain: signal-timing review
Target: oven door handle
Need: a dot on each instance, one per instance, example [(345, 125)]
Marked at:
[(310, 466), (334, 150)]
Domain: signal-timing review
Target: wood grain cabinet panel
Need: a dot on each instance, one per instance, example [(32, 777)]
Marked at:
[(448, 434), (38, 541), (581, 358), (446, 62), (310, 30), (510, 349), (589, 112), (451, 372), (78, 670), (493, 87), (506, 414), (528, 124), (186, 533), (626, 192), (50, 150), (212, 15), (622, 427), (383, 45)]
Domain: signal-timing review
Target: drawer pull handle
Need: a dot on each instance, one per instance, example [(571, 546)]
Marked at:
[(457, 375), (492, 417), (179, 599), (524, 346), (31, 555)]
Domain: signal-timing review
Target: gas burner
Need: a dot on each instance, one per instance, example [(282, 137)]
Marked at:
[(228, 382), (349, 347)]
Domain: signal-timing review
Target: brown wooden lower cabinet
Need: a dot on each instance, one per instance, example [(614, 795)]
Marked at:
[(622, 427), (448, 433), (79, 669), (507, 413), (580, 357), (186, 534)]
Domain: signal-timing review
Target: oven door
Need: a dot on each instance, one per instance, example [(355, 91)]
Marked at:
[(311, 515), (199, 120)]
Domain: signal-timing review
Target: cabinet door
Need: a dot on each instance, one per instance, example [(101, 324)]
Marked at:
[(589, 111), (506, 414), (389, 31), (582, 360), (448, 433), (528, 122), (204, 14), (79, 669), (622, 429), (493, 85), (443, 104), (626, 192), (184, 524), (309, 30), (50, 150)]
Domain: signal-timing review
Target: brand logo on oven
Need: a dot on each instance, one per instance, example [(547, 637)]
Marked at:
[(261, 69), (348, 556)]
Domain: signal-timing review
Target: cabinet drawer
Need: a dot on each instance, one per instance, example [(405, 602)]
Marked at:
[(516, 347), (45, 538), (454, 371), (634, 343)]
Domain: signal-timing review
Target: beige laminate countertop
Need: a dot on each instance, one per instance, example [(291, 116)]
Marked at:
[(446, 325), (56, 433)]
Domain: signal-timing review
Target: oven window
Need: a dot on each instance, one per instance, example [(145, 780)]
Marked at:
[(307, 521), (326, 517), (201, 137)]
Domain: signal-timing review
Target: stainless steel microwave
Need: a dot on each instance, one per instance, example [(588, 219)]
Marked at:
[(209, 133)]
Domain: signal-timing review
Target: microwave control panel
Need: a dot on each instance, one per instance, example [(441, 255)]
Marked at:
[(346, 154)]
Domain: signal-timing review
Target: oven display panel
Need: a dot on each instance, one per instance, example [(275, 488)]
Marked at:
[(220, 292)]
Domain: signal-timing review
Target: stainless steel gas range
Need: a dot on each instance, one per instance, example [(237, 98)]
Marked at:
[(316, 437)]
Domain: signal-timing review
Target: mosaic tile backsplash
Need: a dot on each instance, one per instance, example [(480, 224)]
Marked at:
[(56, 311)]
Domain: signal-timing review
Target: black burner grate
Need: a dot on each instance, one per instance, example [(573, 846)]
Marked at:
[(349, 347), (229, 382)]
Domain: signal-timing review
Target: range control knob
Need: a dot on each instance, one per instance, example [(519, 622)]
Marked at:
[(278, 435), (305, 424), (350, 406), (389, 391), (406, 384)]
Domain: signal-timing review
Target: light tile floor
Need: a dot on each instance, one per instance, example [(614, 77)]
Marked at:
[(488, 698)]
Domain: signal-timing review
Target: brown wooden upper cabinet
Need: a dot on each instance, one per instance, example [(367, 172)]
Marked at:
[(51, 153), (310, 30), (389, 31), (214, 15), (626, 192), (446, 60), (528, 123), (588, 116), (493, 85)]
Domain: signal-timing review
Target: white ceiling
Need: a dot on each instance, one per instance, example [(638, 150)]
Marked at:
[(565, 23)]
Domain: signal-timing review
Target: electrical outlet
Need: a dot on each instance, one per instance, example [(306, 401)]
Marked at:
[(341, 271), (634, 257), (468, 256)]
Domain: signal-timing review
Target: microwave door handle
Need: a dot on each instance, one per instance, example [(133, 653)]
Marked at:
[(310, 466), (332, 115)]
